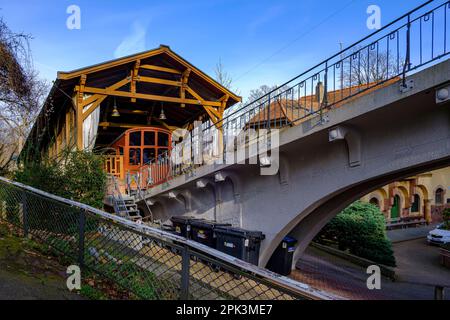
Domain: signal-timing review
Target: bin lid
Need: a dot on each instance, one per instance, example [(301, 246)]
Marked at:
[(207, 224), (184, 219), (239, 232), (290, 240), (167, 227)]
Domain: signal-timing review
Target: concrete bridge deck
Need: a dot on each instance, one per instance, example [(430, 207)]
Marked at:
[(387, 134)]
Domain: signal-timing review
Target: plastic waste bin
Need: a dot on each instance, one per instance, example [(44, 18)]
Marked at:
[(182, 225), (240, 243), (203, 231), (281, 260)]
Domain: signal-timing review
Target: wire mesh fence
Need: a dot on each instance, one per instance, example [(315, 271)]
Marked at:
[(150, 263)]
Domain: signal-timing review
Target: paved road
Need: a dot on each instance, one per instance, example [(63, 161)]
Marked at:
[(418, 270), (398, 235)]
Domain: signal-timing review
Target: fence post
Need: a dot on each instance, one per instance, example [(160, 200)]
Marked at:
[(185, 265), (325, 87), (82, 225), (407, 64), (24, 215), (3, 215), (438, 293)]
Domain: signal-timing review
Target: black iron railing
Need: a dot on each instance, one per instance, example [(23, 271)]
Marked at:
[(388, 55)]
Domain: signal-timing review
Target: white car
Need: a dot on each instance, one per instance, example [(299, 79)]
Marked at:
[(439, 235)]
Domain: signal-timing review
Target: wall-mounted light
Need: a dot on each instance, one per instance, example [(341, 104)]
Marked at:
[(336, 133), (443, 94), (264, 161), (115, 113)]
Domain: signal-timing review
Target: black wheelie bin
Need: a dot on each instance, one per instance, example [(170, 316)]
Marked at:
[(182, 225), (281, 260), (240, 243)]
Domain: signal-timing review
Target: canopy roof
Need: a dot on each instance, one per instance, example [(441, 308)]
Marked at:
[(141, 86)]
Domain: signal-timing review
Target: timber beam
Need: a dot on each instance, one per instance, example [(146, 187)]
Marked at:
[(159, 81), (144, 96), (158, 68)]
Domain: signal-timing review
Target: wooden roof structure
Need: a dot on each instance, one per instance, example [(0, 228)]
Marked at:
[(141, 86)]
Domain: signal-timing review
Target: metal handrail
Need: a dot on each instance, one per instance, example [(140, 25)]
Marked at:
[(385, 55)]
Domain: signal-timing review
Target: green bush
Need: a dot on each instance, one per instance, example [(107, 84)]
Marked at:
[(78, 176), (446, 218), (361, 229)]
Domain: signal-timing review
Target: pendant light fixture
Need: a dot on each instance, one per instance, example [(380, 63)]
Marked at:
[(162, 116), (115, 112)]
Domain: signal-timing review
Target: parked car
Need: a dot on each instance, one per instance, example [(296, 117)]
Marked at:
[(439, 235)]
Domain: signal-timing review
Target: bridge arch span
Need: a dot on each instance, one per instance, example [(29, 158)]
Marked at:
[(310, 221)]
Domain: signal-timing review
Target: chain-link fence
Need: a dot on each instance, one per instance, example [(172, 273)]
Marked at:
[(151, 263)]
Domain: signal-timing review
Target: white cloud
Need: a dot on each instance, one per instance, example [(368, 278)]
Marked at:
[(133, 43)]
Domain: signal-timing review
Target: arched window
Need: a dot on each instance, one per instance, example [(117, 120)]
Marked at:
[(415, 207), (439, 196), (374, 201)]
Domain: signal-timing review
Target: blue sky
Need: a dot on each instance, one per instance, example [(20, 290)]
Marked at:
[(259, 42)]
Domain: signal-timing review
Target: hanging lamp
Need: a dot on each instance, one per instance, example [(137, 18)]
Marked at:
[(115, 113)]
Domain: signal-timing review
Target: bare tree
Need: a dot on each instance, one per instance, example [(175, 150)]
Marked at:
[(263, 90), (365, 66), (21, 93), (222, 76)]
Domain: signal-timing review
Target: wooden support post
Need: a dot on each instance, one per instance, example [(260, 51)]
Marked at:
[(81, 89), (78, 125), (134, 77), (79, 111), (67, 129), (184, 83)]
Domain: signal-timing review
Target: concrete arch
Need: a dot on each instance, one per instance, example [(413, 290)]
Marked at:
[(439, 187), (159, 211), (423, 190), (378, 195), (236, 181), (229, 206), (283, 170), (309, 222), (321, 180), (204, 201), (405, 199)]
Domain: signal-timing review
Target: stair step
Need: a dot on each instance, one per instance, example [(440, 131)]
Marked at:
[(132, 212)]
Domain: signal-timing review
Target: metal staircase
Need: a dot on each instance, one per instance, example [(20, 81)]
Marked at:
[(124, 205)]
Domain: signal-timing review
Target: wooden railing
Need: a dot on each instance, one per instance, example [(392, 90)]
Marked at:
[(114, 166)]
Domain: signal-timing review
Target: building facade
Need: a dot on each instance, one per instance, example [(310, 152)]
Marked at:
[(421, 197)]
